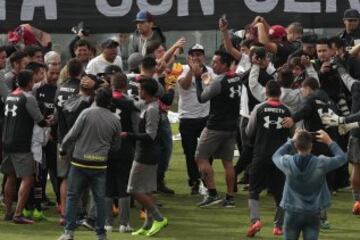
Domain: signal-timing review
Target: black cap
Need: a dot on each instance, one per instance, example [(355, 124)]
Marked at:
[(196, 47), (351, 14), (111, 69), (109, 44)]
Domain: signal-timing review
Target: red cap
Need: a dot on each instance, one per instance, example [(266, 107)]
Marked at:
[(277, 31)]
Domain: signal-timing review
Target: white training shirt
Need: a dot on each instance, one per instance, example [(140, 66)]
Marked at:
[(188, 105), (97, 65)]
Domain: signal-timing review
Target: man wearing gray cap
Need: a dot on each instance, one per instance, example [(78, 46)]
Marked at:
[(352, 32)]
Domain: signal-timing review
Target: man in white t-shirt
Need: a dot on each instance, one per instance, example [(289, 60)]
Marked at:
[(193, 115), (109, 56)]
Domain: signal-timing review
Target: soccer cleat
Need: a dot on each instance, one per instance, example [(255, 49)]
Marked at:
[(125, 229), (27, 213), (209, 201), (66, 236), (38, 215), (277, 231), (89, 224), (228, 203), (156, 227), (254, 228), (324, 224), (140, 232), (22, 220), (356, 208)]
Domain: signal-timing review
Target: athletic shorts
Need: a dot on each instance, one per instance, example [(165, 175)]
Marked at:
[(142, 178), (354, 150), (62, 165), (216, 144), (22, 164)]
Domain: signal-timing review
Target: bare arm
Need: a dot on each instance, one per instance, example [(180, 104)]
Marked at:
[(223, 26), (264, 38)]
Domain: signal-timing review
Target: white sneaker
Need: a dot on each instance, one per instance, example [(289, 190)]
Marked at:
[(66, 236), (125, 229), (108, 228)]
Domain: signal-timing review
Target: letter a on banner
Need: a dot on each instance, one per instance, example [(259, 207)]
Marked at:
[(158, 9), (207, 6), (117, 11), (262, 6), (28, 9)]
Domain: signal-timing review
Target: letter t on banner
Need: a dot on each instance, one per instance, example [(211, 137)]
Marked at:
[(28, 9), (207, 6), (302, 7)]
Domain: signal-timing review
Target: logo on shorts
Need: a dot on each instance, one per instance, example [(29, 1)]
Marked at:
[(235, 92), (276, 123), (12, 110)]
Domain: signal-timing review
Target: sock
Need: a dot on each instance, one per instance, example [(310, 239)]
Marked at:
[(124, 205), (229, 197), (356, 196), (254, 210), (212, 192), (154, 212), (148, 221)]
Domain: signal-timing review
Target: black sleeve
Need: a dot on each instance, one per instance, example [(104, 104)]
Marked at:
[(72, 45), (305, 110), (144, 137)]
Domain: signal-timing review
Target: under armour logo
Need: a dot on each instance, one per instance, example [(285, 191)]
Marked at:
[(235, 92), (42, 95), (117, 113), (276, 123), (60, 100), (12, 110), (321, 112)]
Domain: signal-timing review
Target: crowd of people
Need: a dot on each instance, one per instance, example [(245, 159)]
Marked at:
[(99, 130)]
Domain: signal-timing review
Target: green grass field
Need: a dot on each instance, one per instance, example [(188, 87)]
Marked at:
[(186, 221)]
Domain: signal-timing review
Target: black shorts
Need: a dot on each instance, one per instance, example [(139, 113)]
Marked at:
[(118, 170)]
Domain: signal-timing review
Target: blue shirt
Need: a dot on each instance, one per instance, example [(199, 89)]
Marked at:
[(305, 189)]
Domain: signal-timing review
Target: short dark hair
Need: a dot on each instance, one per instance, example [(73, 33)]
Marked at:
[(297, 27), (25, 77), (149, 85), (103, 97), (75, 67), (296, 62), (246, 43), (16, 57), (3, 49), (150, 49), (32, 50), (225, 58), (119, 81), (338, 42), (35, 66), (82, 43), (311, 82), (260, 52), (285, 78), (323, 41), (310, 38), (148, 63), (303, 141), (273, 89)]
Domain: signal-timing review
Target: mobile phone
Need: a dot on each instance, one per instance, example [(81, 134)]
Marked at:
[(314, 134)]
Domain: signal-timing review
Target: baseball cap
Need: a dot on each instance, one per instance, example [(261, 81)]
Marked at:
[(144, 16), (110, 43), (196, 47), (277, 31), (111, 69), (351, 14)]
